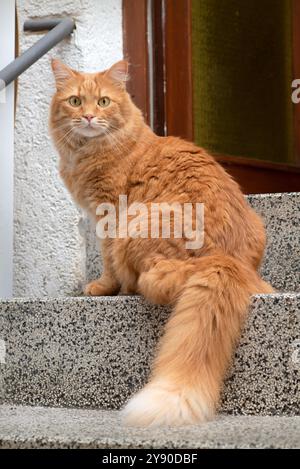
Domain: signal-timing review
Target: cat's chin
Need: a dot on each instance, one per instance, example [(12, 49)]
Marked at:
[(89, 132)]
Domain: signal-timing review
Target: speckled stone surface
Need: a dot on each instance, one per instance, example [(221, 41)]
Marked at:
[(281, 266), (27, 427), (95, 352), (281, 214), (77, 351), (265, 376)]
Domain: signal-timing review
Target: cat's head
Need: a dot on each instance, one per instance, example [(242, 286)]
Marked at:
[(90, 104)]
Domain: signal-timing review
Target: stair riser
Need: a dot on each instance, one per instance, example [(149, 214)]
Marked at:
[(97, 352), (281, 215)]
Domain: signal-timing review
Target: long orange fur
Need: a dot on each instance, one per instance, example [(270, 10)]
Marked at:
[(209, 288)]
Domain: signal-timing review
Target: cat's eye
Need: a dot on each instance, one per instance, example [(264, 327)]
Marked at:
[(75, 101), (104, 102)]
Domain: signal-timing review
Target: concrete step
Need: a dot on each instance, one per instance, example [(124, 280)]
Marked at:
[(281, 214), (281, 266), (95, 352), (38, 427)]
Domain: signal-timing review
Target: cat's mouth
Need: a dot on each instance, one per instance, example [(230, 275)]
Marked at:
[(90, 131)]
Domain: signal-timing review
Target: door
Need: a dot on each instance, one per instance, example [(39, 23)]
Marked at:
[(221, 74)]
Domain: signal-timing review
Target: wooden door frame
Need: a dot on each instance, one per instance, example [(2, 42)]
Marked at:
[(173, 86), (296, 73), (135, 46), (178, 79)]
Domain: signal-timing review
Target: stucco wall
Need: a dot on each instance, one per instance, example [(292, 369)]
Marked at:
[(49, 241)]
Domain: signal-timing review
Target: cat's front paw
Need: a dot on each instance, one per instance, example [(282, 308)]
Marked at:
[(97, 288)]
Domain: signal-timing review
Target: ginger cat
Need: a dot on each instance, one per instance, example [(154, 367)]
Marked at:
[(106, 149)]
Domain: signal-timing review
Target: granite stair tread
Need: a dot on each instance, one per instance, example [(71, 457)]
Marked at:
[(38, 427)]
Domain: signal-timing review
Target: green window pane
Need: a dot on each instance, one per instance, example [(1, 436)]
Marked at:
[(242, 75)]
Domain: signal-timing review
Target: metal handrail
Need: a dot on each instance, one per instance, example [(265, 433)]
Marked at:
[(58, 29)]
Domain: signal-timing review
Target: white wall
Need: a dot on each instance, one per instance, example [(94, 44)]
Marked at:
[(49, 248), (7, 52)]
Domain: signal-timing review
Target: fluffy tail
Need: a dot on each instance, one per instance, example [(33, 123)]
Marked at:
[(197, 346)]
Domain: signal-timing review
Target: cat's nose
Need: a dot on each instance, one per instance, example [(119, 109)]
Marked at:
[(88, 117)]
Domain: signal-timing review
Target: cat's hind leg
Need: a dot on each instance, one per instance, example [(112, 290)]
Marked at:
[(165, 279)]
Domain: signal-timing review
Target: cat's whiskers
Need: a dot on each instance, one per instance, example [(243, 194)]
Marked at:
[(60, 128), (64, 139), (121, 135), (115, 142), (112, 136)]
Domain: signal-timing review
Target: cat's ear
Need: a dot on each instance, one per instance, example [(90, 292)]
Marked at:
[(118, 73), (62, 73)]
